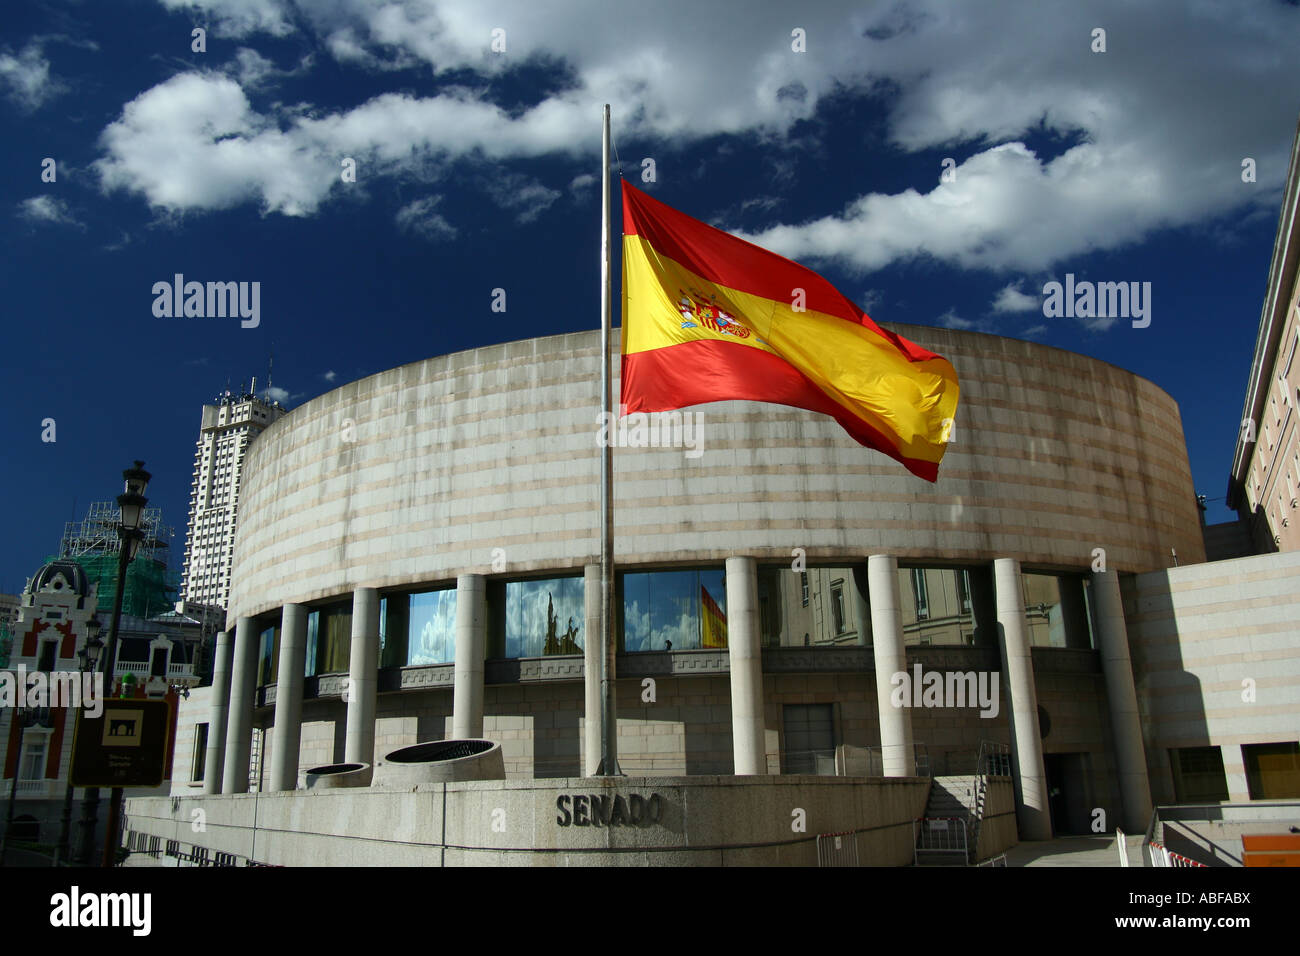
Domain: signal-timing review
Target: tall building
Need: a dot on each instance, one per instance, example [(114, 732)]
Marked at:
[(1264, 487), (225, 431)]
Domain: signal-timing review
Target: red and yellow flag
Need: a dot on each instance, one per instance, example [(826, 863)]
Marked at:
[(713, 622), (708, 317)]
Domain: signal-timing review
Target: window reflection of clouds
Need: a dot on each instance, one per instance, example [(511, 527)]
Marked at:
[(432, 628), (664, 606), (528, 631)]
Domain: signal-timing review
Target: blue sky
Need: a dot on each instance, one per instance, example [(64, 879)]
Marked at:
[(477, 169)]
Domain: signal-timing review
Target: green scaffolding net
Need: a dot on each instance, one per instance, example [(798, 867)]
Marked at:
[(151, 587)]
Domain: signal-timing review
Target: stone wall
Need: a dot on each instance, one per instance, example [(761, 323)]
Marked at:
[(1216, 659), (417, 474), (701, 821)]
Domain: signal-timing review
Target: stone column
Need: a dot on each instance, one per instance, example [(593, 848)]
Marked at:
[(471, 641), (1033, 815), (287, 733), (239, 722), (363, 678), (591, 670), (1121, 698), (898, 755), (215, 758), (748, 721)]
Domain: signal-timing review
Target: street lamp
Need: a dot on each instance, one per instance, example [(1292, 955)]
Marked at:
[(87, 663), (132, 502), (26, 717)]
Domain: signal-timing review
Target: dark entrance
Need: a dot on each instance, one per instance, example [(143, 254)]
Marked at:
[(1068, 793)]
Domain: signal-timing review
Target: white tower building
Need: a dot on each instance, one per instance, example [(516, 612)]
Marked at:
[(225, 431)]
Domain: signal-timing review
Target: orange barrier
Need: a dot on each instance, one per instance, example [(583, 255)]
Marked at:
[(1274, 849)]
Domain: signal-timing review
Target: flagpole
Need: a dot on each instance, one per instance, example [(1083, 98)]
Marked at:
[(608, 712)]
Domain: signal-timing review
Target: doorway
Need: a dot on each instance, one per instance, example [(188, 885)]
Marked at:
[(1069, 793)]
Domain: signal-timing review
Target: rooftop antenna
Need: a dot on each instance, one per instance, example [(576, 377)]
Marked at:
[(270, 364)]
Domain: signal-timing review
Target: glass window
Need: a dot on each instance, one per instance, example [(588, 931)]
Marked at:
[(1272, 770), (812, 608), (674, 610), (536, 618), (269, 655), (920, 594), (49, 655), (329, 640), (1046, 624), (33, 766), (936, 606), (199, 763), (431, 632), (1198, 775)]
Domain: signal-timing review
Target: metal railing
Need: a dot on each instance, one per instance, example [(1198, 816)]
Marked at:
[(837, 849), (1185, 816), (1122, 846), (945, 835), (994, 760), (1160, 856)]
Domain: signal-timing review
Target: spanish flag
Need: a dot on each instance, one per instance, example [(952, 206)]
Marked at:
[(713, 621), (708, 317)]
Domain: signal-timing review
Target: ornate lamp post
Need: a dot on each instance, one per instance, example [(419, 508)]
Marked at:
[(132, 502), (87, 663)]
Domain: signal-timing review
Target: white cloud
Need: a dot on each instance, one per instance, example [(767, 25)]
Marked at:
[(47, 209), (330, 376), (253, 71), (1011, 299), (584, 186), (1034, 331), (870, 300), (527, 198), (25, 78), (419, 217), (238, 18), (275, 394), (972, 80), (951, 320)]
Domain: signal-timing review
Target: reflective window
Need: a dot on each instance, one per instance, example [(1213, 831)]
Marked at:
[(538, 618), (817, 607), (674, 610), (431, 631), (329, 640), (936, 606), (269, 655), (1043, 610), (1272, 770)]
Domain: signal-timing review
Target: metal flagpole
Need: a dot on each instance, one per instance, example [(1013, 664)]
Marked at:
[(608, 712)]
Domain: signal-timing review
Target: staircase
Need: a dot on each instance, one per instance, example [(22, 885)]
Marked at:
[(946, 835), (959, 800)]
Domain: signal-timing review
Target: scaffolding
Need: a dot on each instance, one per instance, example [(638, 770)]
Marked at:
[(94, 544), (96, 534)]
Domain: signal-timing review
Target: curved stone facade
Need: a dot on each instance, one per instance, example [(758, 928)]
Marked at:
[(417, 474)]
